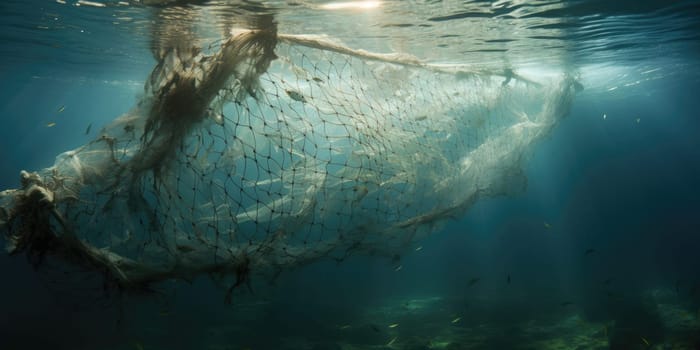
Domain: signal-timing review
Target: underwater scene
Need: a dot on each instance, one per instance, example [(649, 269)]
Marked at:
[(348, 175)]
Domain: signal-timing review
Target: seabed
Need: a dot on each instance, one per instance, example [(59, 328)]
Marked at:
[(432, 322)]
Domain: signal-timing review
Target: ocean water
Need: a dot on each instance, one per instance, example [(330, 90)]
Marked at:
[(593, 243)]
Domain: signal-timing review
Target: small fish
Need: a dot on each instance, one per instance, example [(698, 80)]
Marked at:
[(87, 131), (421, 117), (393, 325), (419, 248), (138, 346), (317, 79), (50, 125), (61, 109), (605, 116), (473, 281), (646, 342), (547, 225), (360, 193), (164, 313), (607, 281), (605, 331), (678, 287), (183, 248), (345, 326), (456, 320), (398, 268), (613, 295), (638, 119), (375, 328), (589, 251), (508, 280), (392, 341), (296, 96), (567, 303)]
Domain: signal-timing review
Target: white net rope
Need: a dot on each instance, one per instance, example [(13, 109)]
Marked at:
[(244, 160)]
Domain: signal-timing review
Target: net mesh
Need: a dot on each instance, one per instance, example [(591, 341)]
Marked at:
[(266, 152)]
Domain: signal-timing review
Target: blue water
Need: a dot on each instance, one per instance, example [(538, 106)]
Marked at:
[(607, 231)]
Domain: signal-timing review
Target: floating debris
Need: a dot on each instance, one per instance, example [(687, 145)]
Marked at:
[(166, 145), (50, 125), (138, 346), (218, 118), (508, 73)]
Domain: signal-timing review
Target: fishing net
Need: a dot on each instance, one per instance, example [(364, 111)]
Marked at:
[(265, 152)]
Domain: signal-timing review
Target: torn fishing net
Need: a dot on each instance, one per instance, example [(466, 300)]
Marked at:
[(266, 152)]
